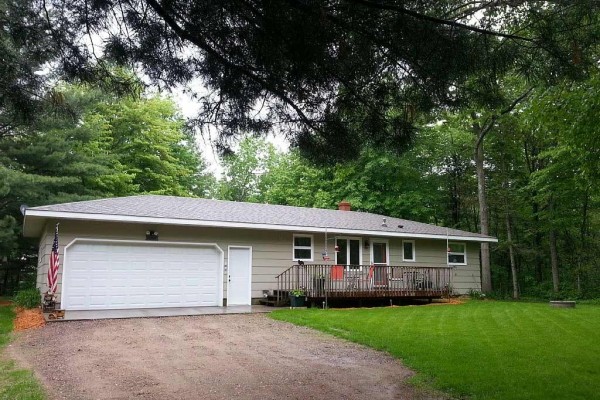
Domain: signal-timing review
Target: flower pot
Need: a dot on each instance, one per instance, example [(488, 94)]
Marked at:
[(297, 301)]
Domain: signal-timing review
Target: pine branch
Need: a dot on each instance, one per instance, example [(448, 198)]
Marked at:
[(492, 120), (428, 18), (204, 45)]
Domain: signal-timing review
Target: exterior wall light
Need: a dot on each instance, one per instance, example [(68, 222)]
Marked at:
[(152, 235)]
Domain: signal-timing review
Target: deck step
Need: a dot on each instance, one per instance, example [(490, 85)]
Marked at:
[(272, 301), (282, 293)]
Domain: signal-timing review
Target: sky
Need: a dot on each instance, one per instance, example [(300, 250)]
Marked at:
[(186, 104), (189, 109)]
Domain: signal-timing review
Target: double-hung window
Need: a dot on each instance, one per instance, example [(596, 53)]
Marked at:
[(408, 250), (303, 248), (457, 253)]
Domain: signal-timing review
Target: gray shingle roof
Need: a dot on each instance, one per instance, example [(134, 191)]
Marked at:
[(186, 208)]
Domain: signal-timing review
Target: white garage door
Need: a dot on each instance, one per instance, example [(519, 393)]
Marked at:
[(111, 275)]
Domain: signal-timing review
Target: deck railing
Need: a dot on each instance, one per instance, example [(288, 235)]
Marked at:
[(319, 281)]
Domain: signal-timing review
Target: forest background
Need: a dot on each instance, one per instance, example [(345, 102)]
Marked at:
[(516, 157)]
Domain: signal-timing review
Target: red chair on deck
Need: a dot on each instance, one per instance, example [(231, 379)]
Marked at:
[(337, 272), (370, 277)]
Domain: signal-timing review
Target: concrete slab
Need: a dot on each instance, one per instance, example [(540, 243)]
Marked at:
[(161, 312)]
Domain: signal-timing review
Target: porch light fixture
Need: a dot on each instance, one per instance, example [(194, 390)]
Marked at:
[(152, 235), (367, 244)]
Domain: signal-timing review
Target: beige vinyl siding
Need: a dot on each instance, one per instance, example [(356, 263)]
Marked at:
[(428, 253), (433, 253), (272, 251), (44, 249)]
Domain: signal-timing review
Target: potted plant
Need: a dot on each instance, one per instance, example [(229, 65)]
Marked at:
[(297, 298)]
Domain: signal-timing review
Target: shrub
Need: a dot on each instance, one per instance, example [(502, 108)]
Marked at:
[(28, 298), (499, 295), (595, 302), (476, 295)]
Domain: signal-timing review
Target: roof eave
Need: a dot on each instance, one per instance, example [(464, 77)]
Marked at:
[(32, 225), (35, 220)]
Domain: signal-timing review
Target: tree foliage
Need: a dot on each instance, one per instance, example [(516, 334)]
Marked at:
[(243, 171), (90, 143), (330, 72), (25, 47), (344, 80), (152, 145), (533, 156)]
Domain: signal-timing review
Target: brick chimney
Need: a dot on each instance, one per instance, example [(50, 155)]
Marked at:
[(344, 206)]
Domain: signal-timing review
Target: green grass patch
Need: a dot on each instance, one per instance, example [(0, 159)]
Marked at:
[(481, 349), (15, 384)]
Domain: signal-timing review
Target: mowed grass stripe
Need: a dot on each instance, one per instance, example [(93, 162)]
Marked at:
[(7, 315), (481, 349), (15, 384)]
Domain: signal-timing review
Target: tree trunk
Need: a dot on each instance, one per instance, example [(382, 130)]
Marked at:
[(16, 285), (480, 132), (581, 257), (537, 242), (554, 260), (553, 252), (511, 254), (5, 283), (533, 165), (484, 223)]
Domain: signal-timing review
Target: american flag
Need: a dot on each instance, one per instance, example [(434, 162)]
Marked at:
[(54, 264)]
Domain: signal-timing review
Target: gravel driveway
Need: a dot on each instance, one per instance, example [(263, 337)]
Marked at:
[(205, 357)]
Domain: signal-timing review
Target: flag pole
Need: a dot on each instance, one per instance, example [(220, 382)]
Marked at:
[(54, 264)]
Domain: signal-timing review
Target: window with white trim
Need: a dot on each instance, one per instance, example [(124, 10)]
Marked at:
[(303, 248), (408, 250), (457, 253)]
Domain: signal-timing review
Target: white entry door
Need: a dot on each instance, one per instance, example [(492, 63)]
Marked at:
[(239, 276)]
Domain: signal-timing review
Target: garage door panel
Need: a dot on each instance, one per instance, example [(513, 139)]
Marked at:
[(129, 275), (77, 300), (97, 300), (100, 283)]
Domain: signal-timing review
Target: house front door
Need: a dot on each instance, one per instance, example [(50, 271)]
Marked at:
[(379, 257), (239, 289)]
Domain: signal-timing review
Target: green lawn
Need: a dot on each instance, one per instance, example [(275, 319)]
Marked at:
[(481, 349), (15, 384)]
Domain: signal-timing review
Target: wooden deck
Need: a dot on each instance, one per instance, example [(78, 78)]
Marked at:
[(321, 282)]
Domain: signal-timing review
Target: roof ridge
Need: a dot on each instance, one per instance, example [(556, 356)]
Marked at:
[(320, 209)]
